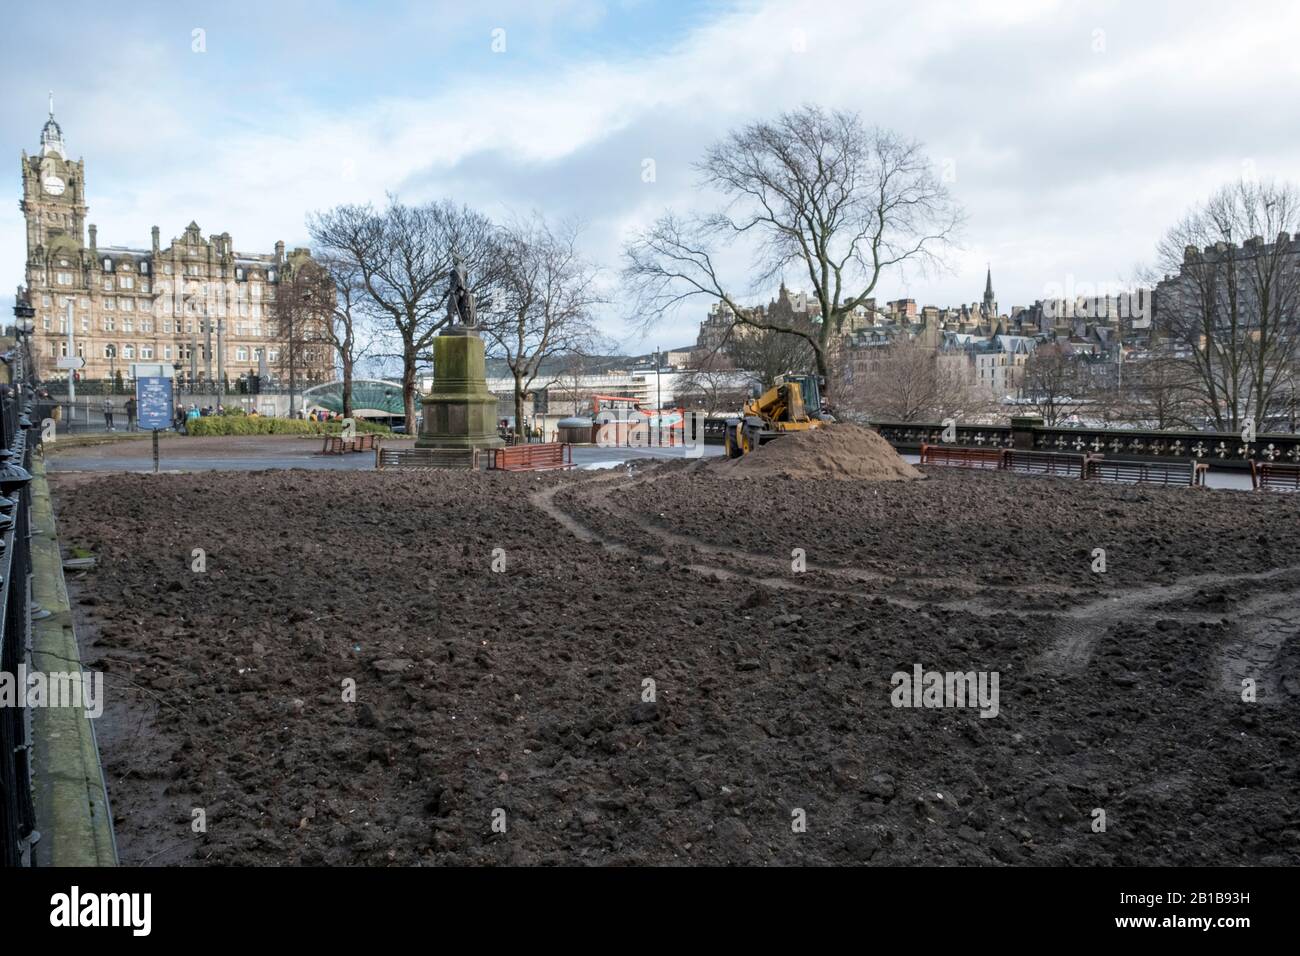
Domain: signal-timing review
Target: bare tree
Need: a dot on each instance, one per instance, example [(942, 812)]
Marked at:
[(908, 381), (543, 301), (768, 353), (1158, 391), (300, 319), (1231, 308), (1056, 380), (403, 256), (816, 192), (347, 332), (712, 385)]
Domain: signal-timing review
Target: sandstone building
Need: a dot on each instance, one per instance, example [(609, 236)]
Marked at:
[(196, 304)]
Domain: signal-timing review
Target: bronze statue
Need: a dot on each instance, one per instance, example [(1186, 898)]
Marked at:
[(460, 301)]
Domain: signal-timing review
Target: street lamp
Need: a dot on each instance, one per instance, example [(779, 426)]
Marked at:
[(112, 368)]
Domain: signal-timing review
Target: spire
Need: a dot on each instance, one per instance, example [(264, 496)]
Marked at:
[(989, 307), (52, 135)]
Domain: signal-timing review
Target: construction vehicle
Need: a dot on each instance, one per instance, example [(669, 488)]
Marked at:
[(793, 404)]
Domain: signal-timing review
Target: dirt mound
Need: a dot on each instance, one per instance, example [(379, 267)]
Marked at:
[(842, 451)]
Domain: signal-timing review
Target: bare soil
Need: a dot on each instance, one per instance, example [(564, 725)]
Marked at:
[(522, 691)]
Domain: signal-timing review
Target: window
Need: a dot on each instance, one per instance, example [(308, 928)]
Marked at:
[(110, 351), (45, 323), (239, 275), (108, 285), (257, 310), (128, 351), (127, 324), (65, 278), (273, 355), (127, 282), (144, 285), (241, 354), (108, 265), (192, 269), (45, 301), (146, 325), (127, 305), (108, 323), (167, 325), (85, 303), (144, 268), (85, 323), (146, 351), (167, 268), (270, 276)]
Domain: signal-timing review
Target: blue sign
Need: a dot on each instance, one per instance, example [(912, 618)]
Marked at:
[(153, 397)]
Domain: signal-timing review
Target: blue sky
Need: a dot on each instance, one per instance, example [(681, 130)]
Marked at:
[(1077, 132)]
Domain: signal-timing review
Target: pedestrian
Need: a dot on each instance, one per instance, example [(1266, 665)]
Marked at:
[(108, 414), (130, 414)]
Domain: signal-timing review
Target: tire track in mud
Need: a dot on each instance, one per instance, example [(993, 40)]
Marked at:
[(1267, 621), (1081, 628)]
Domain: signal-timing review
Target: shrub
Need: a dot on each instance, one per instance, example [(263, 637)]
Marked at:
[(219, 425)]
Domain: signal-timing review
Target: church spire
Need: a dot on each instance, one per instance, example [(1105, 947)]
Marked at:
[(990, 305)]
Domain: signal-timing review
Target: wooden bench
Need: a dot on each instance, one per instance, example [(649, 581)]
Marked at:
[(338, 445), (542, 457), (958, 456), (1274, 476), (421, 459), (1182, 472), (1046, 463)]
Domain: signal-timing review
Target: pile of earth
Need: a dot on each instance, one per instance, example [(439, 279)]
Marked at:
[(842, 451)]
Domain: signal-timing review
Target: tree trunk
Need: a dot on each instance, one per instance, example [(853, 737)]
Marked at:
[(519, 409), (408, 387), (347, 385)]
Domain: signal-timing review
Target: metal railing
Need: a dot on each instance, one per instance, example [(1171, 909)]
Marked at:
[(17, 437)]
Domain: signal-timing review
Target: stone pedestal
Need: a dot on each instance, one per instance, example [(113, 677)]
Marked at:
[(460, 412)]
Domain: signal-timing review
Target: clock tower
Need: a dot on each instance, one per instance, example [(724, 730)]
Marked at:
[(53, 203)]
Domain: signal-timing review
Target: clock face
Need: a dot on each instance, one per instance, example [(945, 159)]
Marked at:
[(53, 185)]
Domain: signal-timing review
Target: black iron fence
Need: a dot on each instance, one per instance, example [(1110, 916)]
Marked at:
[(1216, 449), (17, 437)]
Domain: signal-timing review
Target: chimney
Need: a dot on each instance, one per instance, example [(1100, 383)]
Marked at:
[(1190, 253), (279, 252), (1283, 238), (94, 237), (156, 243)]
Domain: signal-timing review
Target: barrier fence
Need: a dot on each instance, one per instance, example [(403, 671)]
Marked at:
[(17, 436)]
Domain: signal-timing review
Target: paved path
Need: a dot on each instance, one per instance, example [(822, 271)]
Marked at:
[(255, 453)]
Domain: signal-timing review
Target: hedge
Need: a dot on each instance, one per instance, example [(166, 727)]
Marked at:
[(215, 425)]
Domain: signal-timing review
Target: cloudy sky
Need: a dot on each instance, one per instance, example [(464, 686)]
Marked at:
[(1077, 132)]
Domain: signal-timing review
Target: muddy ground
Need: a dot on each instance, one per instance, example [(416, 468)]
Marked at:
[(521, 692)]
